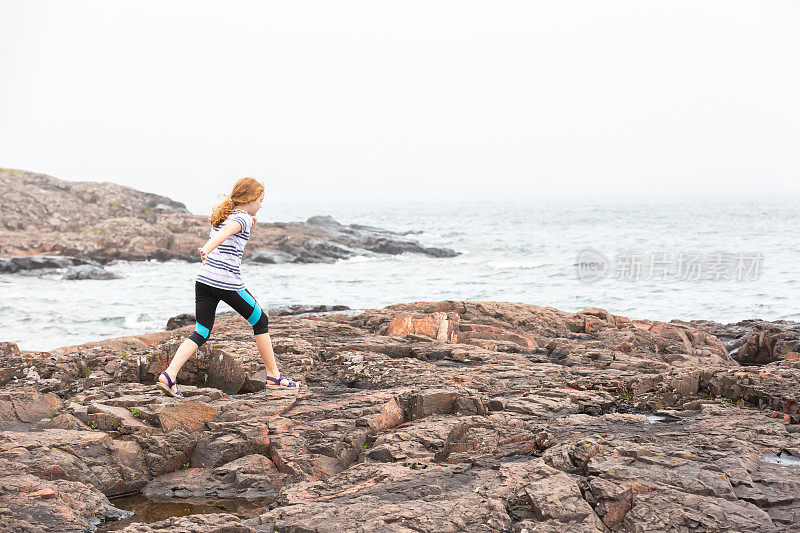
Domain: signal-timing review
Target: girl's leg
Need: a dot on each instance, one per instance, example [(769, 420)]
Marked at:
[(205, 310), (246, 305), (187, 349), (264, 344)]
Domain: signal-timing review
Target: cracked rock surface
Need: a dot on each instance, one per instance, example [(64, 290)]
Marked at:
[(425, 416)]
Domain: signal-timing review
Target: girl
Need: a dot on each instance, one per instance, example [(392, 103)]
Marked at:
[(220, 278)]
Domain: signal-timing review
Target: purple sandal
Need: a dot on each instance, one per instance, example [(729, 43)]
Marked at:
[(168, 387), (277, 382)]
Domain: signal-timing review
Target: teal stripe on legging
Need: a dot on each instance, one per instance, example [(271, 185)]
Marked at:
[(256, 308), (255, 316), (201, 330), (246, 297)]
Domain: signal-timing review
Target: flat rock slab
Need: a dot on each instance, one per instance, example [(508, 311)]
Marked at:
[(112, 418), (252, 477), (189, 415), (201, 523), (27, 407)]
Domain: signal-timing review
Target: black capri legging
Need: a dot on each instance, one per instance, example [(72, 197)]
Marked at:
[(206, 299)]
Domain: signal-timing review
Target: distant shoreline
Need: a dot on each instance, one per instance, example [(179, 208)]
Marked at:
[(127, 224)]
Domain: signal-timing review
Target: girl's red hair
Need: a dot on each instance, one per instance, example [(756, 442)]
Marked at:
[(244, 191)]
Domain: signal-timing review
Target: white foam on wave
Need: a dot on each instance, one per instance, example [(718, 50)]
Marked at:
[(363, 259), (138, 321)]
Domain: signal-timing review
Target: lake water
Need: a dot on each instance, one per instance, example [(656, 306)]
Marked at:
[(723, 259)]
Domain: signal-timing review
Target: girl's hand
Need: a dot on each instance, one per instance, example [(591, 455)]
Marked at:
[(229, 229), (254, 220)]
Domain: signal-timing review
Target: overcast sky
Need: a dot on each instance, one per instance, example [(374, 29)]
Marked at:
[(336, 100)]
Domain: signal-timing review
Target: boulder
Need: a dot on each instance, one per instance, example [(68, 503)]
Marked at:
[(179, 321), (8, 348)]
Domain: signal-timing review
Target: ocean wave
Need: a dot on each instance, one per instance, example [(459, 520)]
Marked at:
[(113, 320), (138, 321)]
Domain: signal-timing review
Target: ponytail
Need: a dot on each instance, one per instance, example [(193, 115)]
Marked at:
[(221, 212)]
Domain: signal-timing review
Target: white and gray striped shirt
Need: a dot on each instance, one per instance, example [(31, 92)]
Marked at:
[(222, 267)]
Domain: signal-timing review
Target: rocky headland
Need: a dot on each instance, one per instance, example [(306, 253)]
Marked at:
[(418, 417), (95, 223)]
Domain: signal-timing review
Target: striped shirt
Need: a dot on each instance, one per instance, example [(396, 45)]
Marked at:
[(222, 266)]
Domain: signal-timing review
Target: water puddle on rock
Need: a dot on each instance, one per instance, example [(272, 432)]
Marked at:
[(783, 458), (145, 510)]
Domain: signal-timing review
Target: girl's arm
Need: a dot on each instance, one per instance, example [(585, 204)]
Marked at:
[(226, 231)]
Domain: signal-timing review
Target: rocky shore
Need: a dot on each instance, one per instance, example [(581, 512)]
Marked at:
[(102, 222), (425, 417)]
